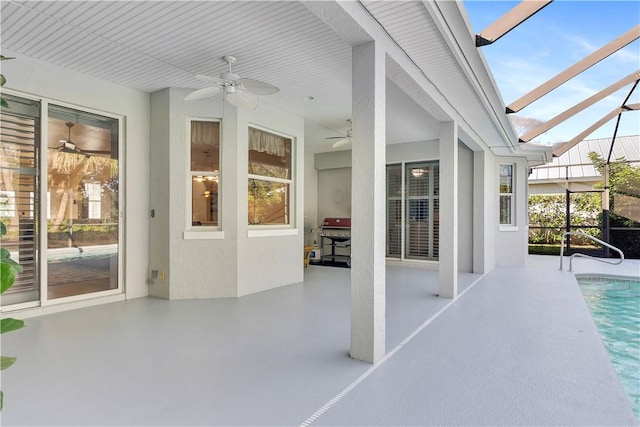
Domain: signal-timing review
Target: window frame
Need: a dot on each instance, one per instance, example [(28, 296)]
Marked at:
[(260, 230), (93, 204), (510, 194), (202, 231)]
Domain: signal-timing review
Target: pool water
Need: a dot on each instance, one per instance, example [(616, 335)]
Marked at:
[(615, 306)]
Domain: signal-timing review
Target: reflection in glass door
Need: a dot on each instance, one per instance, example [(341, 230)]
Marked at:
[(19, 187), (82, 206)]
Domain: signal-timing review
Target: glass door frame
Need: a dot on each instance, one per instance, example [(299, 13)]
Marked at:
[(44, 152), (404, 198), (42, 255)]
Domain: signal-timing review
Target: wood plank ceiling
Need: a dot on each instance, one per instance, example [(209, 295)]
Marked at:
[(152, 45)]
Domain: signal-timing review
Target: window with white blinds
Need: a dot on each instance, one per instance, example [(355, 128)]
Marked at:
[(20, 133), (413, 210), (394, 211)]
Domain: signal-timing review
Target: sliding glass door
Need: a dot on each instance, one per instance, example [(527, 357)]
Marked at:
[(413, 207), (61, 207), (19, 188), (82, 205)]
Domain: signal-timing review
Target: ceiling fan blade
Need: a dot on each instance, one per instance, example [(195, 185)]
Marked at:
[(257, 87), (70, 148), (341, 143), (202, 93), (211, 79), (243, 99), (96, 152), (337, 137)]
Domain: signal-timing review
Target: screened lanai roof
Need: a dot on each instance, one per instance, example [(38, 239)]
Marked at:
[(575, 164), (567, 70)]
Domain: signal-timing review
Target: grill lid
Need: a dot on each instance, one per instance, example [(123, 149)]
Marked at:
[(337, 223)]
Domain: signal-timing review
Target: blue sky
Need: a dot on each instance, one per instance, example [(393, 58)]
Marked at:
[(553, 39)]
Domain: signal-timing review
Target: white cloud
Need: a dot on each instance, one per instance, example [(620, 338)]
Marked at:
[(584, 46)]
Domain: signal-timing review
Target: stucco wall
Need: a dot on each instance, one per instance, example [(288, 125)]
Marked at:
[(159, 202), (334, 193), (311, 219), (229, 262), (272, 260), (30, 76), (511, 242), (465, 209)]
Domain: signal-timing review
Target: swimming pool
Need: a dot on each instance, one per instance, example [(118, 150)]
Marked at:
[(614, 302)]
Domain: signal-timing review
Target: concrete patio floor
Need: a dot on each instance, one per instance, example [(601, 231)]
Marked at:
[(518, 347)]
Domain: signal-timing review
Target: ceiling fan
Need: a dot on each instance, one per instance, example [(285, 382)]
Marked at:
[(241, 92), (342, 140), (69, 146)]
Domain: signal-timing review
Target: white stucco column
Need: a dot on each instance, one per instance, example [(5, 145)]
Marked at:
[(448, 257), (479, 213), (368, 204)]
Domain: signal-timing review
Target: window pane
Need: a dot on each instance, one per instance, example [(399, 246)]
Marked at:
[(204, 203), (506, 178), (19, 164), (394, 210), (205, 146), (83, 185), (505, 209), (418, 229), (269, 154), (268, 202), (421, 216)]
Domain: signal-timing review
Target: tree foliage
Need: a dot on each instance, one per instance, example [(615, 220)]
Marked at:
[(547, 216), (547, 213)]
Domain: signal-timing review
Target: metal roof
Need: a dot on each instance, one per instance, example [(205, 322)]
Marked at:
[(575, 163)]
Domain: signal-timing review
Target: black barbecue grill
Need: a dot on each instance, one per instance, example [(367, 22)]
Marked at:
[(335, 240)]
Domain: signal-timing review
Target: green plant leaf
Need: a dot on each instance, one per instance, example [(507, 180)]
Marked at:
[(4, 254), (3, 80), (4, 103), (3, 229), (8, 274), (4, 58), (1, 400), (17, 267), (9, 325), (6, 362)]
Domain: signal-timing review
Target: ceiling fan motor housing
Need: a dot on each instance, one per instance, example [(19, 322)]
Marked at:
[(229, 76)]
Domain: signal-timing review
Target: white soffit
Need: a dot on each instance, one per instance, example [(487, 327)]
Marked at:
[(412, 28)]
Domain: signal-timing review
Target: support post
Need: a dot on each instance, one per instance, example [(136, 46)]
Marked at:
[(448, 256), (481, 261), (567, 217), (368, 204), (605, 211)]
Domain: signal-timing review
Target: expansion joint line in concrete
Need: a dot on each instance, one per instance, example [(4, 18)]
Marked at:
[(388, 356)]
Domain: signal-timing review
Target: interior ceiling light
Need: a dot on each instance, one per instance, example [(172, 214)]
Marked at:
[(417, 172)]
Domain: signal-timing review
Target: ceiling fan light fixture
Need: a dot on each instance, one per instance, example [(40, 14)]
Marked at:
[(341, 143), (229, 76), (240, 92)]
